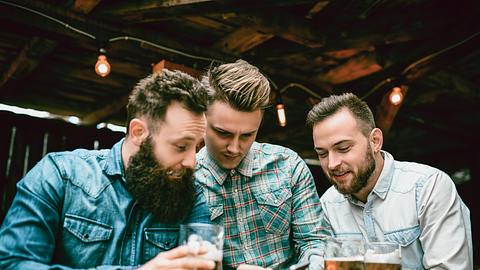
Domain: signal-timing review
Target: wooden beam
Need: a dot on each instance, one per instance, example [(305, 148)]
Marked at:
[(160, 10), (85, 6), (158, 67), (353, 68), (317, 8), (97, 116), (28, 59), (103, 29), (242, 40), (38, 48)]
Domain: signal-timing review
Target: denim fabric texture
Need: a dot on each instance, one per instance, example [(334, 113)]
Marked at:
[(72, 210)]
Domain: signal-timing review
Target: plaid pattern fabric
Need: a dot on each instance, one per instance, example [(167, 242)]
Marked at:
[(268, 206)]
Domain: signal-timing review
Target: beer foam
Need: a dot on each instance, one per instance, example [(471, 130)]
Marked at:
[(346, 259), (391, 258)]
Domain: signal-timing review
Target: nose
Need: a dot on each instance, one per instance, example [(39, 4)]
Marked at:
[(334, 161), (189, 160), (234, 146)]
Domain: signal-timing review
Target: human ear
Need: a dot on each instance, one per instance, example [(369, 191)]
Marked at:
[(138, 131), (376, 139)]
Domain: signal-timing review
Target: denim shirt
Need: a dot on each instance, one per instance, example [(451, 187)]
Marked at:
[(414, 205), (72, 210)]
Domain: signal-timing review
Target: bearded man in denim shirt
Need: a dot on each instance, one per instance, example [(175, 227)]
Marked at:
[(118, 208), (262, 194), (377, 198)]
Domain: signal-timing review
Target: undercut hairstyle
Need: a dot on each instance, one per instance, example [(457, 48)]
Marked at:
[(240, 85), (334, 103), (151, 97)]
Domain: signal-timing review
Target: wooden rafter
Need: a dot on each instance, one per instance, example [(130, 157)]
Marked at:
[(28, 59), (242, 40), (85, 6)]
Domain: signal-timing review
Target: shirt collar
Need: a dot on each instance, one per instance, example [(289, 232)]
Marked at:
[(220, 174), (113, 163), (386, 176)]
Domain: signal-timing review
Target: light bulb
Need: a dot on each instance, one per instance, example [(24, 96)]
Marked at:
[(396, 96), (282, 118), (102, 67)]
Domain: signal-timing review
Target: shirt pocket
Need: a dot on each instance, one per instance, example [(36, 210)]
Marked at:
[(275, 210), (412, 252), (216, 213), (158, 240), (86, 239)]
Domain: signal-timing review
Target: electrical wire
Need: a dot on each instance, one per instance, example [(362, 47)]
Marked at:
[(164, 48), (302, 87), (50, 18), (419, 62)]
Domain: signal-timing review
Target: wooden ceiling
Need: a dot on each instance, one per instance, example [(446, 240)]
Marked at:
[(308, 48)]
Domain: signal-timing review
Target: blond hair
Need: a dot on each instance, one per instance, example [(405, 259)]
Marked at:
[(240, 85)]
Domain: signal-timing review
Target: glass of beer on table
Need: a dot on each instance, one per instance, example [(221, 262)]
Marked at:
[(344, 254), (383, 255), (208, 237)]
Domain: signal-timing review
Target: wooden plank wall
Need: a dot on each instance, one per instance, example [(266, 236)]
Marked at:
[(25, 140)]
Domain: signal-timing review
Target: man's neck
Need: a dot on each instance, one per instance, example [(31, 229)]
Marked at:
[(362, 195)]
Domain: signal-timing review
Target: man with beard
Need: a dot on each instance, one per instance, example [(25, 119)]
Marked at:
[(262, 194), (118, 208), (377, 198)]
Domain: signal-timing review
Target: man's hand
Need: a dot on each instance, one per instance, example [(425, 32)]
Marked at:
[(251, 267), (178, 258)]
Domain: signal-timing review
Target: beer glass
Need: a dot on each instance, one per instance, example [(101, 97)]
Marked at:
[(344, 254), (383, 255), (209, 236)]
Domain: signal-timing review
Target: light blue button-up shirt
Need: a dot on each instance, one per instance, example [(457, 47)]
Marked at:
[(414, 205), (72, 210)]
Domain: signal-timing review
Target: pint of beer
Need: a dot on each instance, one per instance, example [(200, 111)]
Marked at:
[(344, 254), (209, 236), (344, 263), (383, 255)]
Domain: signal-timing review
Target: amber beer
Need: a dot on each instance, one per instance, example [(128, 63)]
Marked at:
[(344, 263), (383, 256), (382, 262), (382, 266)]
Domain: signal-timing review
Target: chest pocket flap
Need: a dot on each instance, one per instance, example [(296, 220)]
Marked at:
[(275, 198), (216, 211), (404, 237), (275, 210), (164, 238), (87, 230)]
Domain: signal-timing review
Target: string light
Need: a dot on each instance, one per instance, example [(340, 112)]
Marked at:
[(396, 96), (102, 67), (280, 108)]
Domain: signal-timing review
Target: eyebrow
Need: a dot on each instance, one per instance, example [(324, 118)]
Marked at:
[(335, 144), (226, 131)]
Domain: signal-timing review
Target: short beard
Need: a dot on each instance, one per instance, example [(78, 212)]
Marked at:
[(361, 180), (169, 200)]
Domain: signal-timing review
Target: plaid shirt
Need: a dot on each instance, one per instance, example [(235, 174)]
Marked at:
[(268, 206)]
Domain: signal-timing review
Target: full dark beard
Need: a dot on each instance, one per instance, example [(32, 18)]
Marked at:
[(170, 200), (361, 180)]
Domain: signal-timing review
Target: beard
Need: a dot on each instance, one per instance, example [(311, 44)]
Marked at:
[(360, 179), (169, 200)]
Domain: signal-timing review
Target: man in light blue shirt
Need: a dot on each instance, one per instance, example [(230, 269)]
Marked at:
[(118, 208), (377, 198)]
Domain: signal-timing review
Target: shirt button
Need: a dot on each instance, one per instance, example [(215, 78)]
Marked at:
[(235, 190), (232, 172)]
